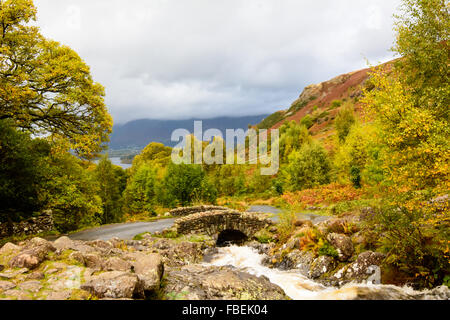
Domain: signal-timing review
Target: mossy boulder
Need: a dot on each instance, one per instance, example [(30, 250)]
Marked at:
[(199, 282), (343, 245)]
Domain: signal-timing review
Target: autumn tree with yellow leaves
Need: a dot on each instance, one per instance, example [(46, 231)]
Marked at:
[(410, 103), (45, 87)]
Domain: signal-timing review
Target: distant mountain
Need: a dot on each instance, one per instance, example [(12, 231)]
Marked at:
[(139, 133)]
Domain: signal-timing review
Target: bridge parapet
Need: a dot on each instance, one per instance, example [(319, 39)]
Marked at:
[(185, 211)]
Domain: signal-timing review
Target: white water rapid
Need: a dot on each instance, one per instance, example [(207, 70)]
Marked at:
[(299, 287)]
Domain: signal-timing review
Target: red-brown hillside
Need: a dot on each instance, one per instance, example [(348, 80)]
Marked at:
[(322, 102)]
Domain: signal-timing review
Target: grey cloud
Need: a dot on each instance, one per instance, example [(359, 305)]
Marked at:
[(172, 59)]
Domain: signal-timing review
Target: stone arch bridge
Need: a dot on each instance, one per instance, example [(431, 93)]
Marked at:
[(223, 225)]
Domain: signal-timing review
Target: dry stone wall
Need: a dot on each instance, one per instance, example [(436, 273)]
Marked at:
[(35, 225)]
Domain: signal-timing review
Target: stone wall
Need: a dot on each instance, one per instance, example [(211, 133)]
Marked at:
[(35, 225), (185, 211), (214, 222)]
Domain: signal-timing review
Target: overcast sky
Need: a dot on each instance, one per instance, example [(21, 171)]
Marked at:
[(180, 59)]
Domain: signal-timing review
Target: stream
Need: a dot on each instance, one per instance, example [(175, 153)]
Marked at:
[(299, 287)]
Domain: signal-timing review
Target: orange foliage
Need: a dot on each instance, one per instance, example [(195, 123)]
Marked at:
[(332, 193)]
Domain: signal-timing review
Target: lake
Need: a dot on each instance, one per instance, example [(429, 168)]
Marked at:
[(116, 161)]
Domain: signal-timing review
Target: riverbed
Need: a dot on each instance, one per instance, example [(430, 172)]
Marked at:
[(299, 287)]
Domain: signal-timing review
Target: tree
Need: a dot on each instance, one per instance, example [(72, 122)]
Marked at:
[(258, 183), (229, 179), (410, 102), (154, 153), (185, 183), (72, 193), (141, 190), (423, 34), (108, 178), (307, 168), (343, 122), (45, 87), (358, 158), (292, 137), (410, 105), (22, 173)]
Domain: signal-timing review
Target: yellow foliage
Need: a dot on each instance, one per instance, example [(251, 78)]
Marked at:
[(417, 139), (45, 87)]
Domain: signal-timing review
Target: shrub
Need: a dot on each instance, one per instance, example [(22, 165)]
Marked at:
[(307, 121), (343, 122), (415, 237), (286, 225), (264, 236), (326, 249), (335, 104), (314, 241), (307, 167)]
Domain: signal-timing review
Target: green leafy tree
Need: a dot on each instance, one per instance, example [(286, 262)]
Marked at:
[(423, 34), (22, 173), (72, 193), (410, 105), (139, 195), (185, 183), (259, 184), (355, 176), (122, 177), (108, 178), (154, 153), (229, 179), (307, 168), (292, 137), (361, 153)]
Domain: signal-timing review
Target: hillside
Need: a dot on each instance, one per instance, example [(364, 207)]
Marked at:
[(322, 102), (139, 133)]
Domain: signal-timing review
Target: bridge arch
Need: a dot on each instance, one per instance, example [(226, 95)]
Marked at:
[(228, 236), (224, 225)]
